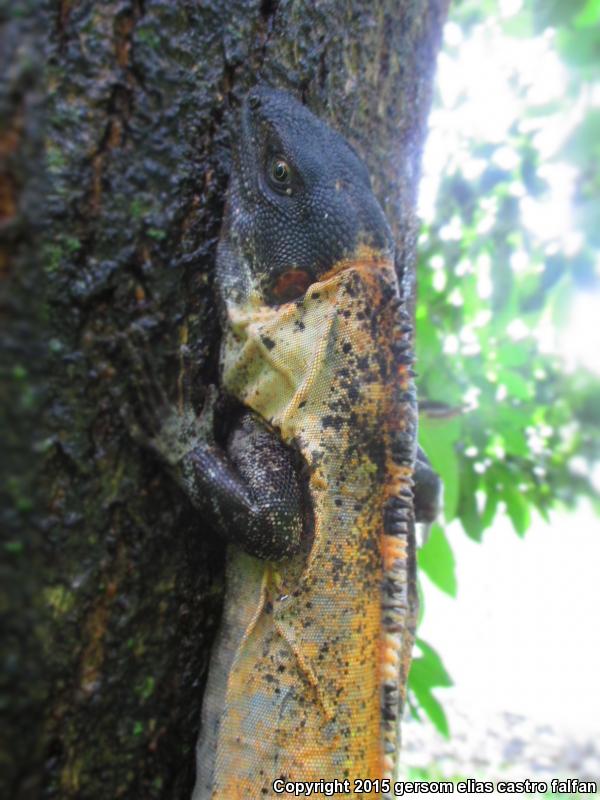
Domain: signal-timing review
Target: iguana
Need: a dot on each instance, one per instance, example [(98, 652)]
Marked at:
[(312, 485)]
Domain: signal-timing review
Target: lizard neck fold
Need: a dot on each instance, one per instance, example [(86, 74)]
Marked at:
[(280, 361)]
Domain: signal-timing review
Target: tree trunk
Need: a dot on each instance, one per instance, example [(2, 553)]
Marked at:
[(116, 122)]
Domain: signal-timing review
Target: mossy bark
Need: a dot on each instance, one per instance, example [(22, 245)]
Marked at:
[(115, 126)]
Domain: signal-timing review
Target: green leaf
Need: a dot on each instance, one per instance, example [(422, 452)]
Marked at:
[(517, 385), (436, 559), (555, 13), (431, 665), (432, 707), (589, 15), (428, 672), (440, 384), (580, 48), (489, 510), (515, 442), (438, 438), (428, 344), (513, 354), (518, 509)]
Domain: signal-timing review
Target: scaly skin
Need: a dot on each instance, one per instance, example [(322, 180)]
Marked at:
[(322, 640), (313, 484)]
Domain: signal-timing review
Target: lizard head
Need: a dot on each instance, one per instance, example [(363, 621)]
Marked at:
[(300, 198)]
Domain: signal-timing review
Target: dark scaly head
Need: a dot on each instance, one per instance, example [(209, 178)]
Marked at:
[(300, 200)]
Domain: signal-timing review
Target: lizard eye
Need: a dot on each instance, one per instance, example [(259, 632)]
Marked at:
[(280, 170), (280, 175)]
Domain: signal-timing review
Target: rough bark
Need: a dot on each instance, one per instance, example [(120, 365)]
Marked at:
[(115, 127)]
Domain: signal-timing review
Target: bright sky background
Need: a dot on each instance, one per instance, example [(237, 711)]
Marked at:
[(477, 103), (523, 634)]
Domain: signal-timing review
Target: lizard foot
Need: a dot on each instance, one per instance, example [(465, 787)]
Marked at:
[(170, 430)]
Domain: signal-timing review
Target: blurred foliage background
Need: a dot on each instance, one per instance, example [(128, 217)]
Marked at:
[(508, 314)]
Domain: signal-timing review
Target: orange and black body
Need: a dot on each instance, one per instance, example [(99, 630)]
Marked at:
[(307, 675), (311, 480), (310, 477)]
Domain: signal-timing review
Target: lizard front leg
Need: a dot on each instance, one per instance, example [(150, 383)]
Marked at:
[(247, 488), (250, 490)]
